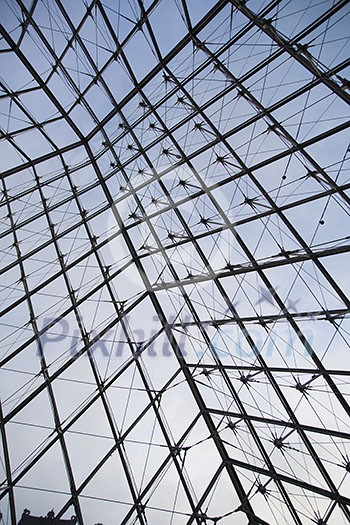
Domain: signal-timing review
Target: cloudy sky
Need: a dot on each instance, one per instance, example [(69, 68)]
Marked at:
[(174, 248)]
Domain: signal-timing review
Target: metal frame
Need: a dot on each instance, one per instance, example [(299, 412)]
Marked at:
[(167, 98)]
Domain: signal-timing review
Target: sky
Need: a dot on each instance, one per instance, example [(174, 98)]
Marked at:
[(161, 212)]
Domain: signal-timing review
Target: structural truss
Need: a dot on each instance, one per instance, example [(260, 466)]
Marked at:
[(174, 247)]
